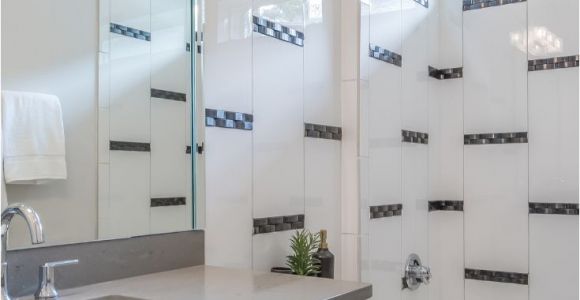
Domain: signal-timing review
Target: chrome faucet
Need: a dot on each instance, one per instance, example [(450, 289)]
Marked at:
[(36, 235), (415, 273)]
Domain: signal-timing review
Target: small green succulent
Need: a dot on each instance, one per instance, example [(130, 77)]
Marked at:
[(302, 260)]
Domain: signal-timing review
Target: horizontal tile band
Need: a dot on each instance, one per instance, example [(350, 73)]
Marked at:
[(385, 211), (554, 63), (553, 208), (451, 73), (415, 137), (278, 223), (496, 276), (322, 131), (385, 55), (168, 95), (445, 205), (278, 31), (228, 119), (171, 201), (187, 149), (495, 138), (423, 2), (129, 146), (130, 32), (479, 4)]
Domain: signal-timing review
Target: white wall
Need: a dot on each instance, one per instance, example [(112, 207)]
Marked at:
[(48, 49)]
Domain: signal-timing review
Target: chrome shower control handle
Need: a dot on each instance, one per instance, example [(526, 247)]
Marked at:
[(415, 273), (46, 288)]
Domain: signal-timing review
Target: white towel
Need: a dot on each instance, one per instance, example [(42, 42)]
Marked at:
[(32, 137)]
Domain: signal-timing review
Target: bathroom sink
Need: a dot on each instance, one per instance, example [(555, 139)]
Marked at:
[(116, 297)]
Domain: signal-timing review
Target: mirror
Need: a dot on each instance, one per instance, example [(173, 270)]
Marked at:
[(123, 72)]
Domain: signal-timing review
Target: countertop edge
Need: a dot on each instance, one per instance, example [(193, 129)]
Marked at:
[(362, 293)]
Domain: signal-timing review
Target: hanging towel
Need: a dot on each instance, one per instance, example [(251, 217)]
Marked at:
[(32, 138)]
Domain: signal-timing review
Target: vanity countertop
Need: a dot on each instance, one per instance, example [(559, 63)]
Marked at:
[(216, 283)]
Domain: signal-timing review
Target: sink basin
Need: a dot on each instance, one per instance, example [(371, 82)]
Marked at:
[(116, 297)]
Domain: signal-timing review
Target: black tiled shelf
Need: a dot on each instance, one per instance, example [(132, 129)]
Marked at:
[(495, 138), (553, 208), (130, 32), (278, 31), (496, 276), (385, 211), (168, 95), (170, 201), (322, 131), (445, 205), (553, 63), (228, 119), (385, 55), (478, 4), (441, 74), (278, 223), (129, 146), (415, 137)]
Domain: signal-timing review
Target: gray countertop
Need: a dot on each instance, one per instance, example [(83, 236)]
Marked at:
[(216, 283)]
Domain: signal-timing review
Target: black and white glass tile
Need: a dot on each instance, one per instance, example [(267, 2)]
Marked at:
[(129, 146), (228, 119), (322, 131), (478, 4), (278, 223), (130, 32), (445, 205), (385, 55), (553, 63), (553, 208), (168, 95), (423, 2), (495, 138), (278, 31), (415, 137), (169, 201), (496, 276), (450, 73), (385, 211)]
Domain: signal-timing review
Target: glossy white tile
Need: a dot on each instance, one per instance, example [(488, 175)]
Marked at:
[(132, 13), (496, 207), (550, 28), (484, 290), (349, 39), (385, 267), (165, 219), (495, 69), (385, 15), (270, 250), (349, 160), (553, 136)]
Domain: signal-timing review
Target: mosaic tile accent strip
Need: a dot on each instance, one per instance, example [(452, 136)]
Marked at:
[(445, 205), (496, 276), (279, 223), (187, 149), (554, 63), (171, 201), (385, 211), (415, 137), (478, 4), (423, 2), (322, 131), (554, 208), (228, 119), (129, 146), (278, 31), (162, 94), (130, 32), (450, 73), (495, 138), (385, 55)]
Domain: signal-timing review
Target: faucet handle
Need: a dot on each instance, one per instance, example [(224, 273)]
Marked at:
[(46, 288)]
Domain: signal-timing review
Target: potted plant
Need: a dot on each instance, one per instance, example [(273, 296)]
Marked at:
[(302, 260)]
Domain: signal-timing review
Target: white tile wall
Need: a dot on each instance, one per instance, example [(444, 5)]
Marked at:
[(270, 250), (551, 28), (496, 207), (349, 161), (495, 69), (322, 191), (553, 257), (385, 257), (553, 113), (484, 290)]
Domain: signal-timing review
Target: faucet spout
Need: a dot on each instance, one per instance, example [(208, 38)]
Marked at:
[(36, 235)]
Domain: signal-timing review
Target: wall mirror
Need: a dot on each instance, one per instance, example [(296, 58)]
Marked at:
[(124, 73)]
